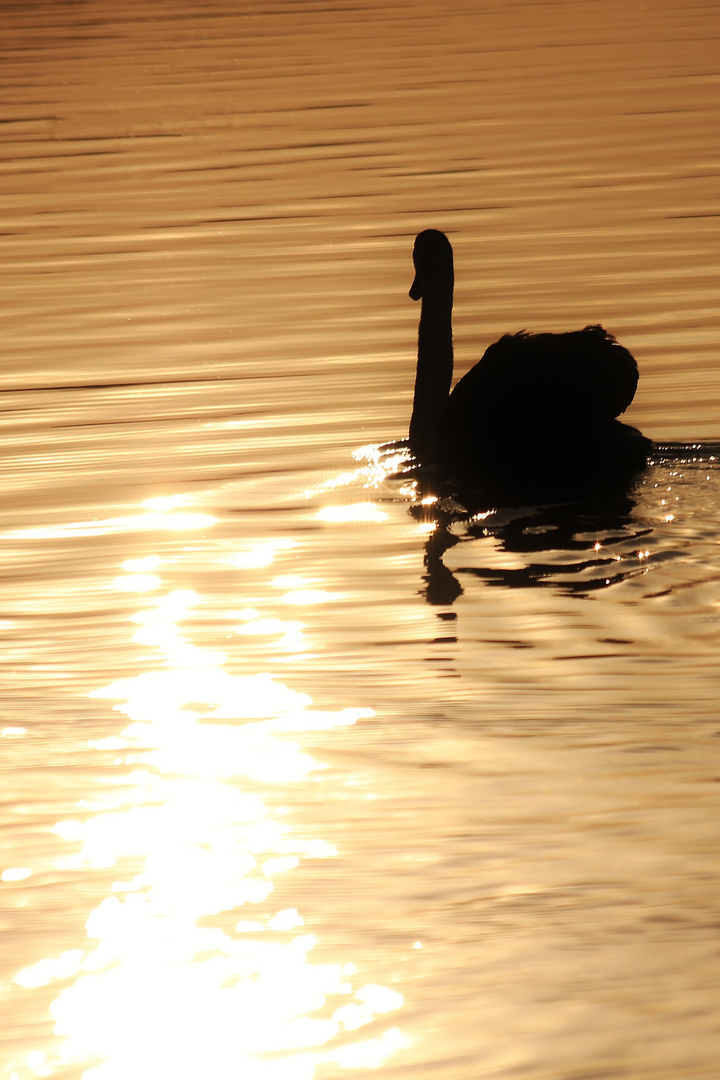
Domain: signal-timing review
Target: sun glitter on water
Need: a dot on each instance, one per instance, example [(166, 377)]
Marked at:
[(190, 967)]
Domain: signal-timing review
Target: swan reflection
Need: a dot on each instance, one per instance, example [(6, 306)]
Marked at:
[(573, 546)]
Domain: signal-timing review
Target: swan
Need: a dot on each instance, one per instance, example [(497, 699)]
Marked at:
[(534, 406)]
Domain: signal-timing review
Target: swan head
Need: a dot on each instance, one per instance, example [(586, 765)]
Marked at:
[(433, 261)]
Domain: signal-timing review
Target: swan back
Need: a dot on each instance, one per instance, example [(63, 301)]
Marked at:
[(523, 380)]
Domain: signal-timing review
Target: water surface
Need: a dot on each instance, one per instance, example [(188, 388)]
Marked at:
[(301, 775)]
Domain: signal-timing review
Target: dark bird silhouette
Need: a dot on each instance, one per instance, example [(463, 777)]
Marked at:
[(536, 415)]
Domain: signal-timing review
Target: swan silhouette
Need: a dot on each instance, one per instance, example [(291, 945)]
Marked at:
[(536, 409)]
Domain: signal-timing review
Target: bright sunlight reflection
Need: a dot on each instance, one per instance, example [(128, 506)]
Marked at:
[(376, 463), (356, 512), (156, 517), (191, 967)]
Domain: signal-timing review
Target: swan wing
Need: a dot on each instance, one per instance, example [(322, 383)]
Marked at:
[(524, 378)]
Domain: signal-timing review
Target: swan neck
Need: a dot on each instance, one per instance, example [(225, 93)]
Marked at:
[(434, 374)]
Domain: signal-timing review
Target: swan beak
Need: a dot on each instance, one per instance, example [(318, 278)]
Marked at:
[(415, 289)]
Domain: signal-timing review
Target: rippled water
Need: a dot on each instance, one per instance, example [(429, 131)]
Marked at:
[(305, 774)]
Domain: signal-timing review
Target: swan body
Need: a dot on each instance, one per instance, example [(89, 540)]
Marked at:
[(535, 405)]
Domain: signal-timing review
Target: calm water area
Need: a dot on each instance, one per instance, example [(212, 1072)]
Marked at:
[(303, 776)]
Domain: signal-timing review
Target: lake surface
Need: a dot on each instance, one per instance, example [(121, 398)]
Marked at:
[(303, 775)]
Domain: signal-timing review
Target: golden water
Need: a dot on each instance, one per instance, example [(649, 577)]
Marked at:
[(300, 777)]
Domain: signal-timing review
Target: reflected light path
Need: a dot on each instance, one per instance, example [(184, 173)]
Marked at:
[(158, 515), (190, 969)]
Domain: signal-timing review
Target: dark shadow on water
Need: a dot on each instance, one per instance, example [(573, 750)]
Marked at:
[(585, 539), (559, 545)]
